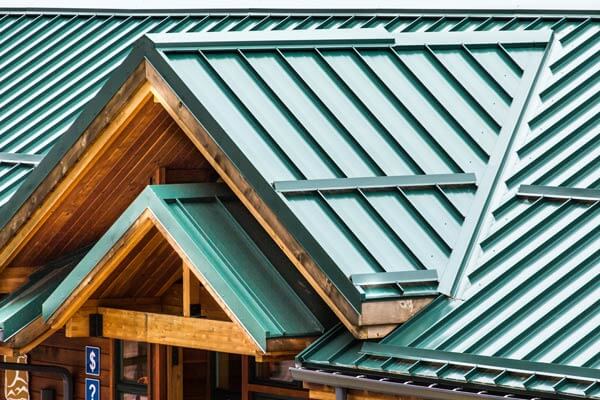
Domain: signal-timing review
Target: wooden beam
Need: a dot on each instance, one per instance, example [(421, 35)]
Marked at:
[(391, 312), (158, 372), (129, 99), (13, 278), (206, 285), (196, 333)]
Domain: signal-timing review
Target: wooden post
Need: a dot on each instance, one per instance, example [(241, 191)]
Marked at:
[(245, 377), (158, 375), (191, 290), (174, 373)]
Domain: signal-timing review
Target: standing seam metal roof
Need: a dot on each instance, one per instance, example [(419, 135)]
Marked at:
[(52, 63), (312, 106), (528, 291)]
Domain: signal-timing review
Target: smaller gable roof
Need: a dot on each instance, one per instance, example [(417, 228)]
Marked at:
[(210, 228), (23, 306)]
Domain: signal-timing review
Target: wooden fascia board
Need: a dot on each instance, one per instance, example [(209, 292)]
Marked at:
[(30, 337), (147, 211), (58, 309)]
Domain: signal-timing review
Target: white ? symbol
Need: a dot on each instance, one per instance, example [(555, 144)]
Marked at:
[(92, 389), (92, 361)]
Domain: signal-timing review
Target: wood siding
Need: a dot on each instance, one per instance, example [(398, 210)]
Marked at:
[(70, 353)]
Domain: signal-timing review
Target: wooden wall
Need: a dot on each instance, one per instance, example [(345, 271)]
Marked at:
[(70, 353)]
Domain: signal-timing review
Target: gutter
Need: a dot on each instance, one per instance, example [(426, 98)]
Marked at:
[(61, 372), (342, 383)]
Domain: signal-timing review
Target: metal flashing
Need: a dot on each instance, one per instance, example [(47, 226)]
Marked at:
[(531, 38), (450, 282), (397, 277), (376, 384), (503, 9)]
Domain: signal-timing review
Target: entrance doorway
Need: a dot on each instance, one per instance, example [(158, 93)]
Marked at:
[(149, 371)]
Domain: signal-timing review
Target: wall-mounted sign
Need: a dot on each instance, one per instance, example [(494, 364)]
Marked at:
[(92, 389), (16, 383), (92, 360)]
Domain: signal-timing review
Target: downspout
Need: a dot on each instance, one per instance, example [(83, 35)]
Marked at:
[(63, 373), (343, 383)]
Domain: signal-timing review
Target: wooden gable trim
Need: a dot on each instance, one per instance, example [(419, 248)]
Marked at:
[(142, 86)]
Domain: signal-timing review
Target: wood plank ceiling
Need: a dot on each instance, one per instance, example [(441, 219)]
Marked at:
[(150, 143)]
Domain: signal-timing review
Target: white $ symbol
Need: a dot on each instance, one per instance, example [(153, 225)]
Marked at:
[(93, 361)]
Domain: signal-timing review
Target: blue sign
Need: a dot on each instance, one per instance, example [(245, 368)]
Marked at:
[(92, 389), (92, 360)]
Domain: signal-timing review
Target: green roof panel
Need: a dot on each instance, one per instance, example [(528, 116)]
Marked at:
[(335, 111)]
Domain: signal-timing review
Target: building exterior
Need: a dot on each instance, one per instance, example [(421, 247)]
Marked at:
[(290, 205)]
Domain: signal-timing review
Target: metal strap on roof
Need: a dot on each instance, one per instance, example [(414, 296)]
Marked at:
[(559, 193), (19, 158), (374, 183), (396, 277), (504, 364)]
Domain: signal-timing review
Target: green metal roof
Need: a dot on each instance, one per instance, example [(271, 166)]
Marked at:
[(53, 63), (353, 108), (521, 378), (526, 314), (217, 234), (528, 290), (23, 306)]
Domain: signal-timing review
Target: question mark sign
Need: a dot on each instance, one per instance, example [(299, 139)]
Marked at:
[(92, 389)]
